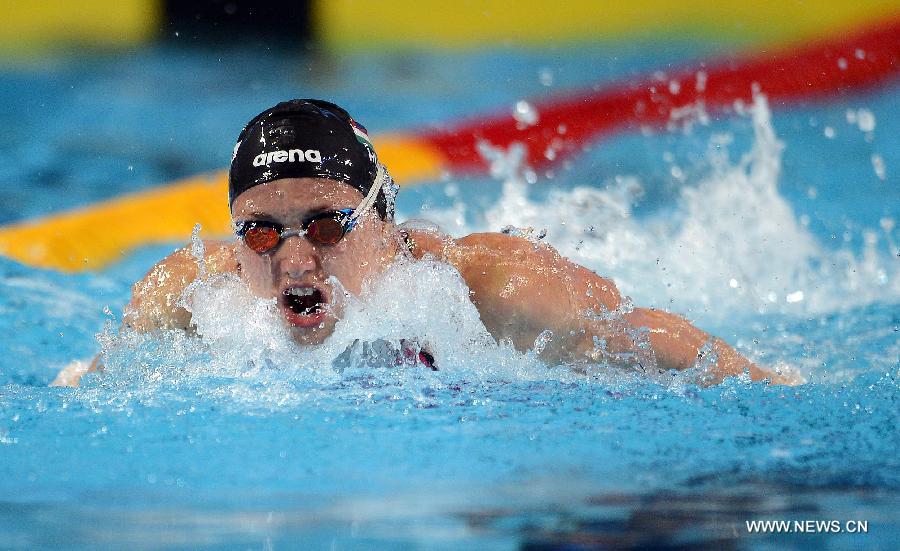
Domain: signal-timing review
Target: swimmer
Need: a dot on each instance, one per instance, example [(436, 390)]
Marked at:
[(311, 204)]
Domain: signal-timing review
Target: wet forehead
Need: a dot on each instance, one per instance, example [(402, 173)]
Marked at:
[(292, 198)]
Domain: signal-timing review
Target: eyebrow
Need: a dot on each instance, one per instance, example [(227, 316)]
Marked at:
[(259, 216)]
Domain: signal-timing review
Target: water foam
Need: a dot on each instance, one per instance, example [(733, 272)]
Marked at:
[(241, 352)]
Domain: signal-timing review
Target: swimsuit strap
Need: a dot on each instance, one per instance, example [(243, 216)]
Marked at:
[(408, 242)]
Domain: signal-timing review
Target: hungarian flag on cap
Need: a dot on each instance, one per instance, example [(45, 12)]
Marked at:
[(361, 134), (363, 137)]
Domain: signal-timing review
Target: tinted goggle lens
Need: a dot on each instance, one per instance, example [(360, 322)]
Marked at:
[(262, 238), (326, 231)]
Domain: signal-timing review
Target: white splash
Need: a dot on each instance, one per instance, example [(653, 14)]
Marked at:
[(733, 244), (242, 352)]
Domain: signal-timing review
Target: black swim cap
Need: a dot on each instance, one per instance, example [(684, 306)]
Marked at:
[(304, 138)]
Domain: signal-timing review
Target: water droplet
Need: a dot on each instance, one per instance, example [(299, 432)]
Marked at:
[(700, 86), (541, 342), (878, 166), (545, 75), (866, 120), (862, 118), (525, 114)]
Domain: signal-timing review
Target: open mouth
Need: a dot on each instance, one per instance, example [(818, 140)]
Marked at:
[(303, 305)]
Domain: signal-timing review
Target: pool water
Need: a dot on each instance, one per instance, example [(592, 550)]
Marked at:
[(773, 228)]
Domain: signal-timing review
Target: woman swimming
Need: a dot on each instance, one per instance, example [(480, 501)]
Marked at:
[(313, 209)]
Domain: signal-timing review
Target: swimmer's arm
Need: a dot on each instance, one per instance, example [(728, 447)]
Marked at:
[(154, 299), (678, 344), (521, 289)]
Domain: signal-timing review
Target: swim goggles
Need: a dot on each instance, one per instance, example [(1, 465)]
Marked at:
[(324, 228)]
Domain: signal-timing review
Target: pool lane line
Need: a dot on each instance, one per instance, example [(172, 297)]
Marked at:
[(93, 237), (823, 68)]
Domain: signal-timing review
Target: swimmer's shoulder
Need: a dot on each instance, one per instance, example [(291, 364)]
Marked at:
[(428, 241), (220, 256), (425, 240), (155, 297)]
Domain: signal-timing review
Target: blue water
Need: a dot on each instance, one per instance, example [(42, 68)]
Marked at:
[(199, 443)]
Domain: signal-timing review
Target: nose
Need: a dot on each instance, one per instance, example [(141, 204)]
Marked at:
[(296, 257)]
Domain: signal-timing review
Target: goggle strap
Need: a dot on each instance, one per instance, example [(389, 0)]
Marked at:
[(381, 176)]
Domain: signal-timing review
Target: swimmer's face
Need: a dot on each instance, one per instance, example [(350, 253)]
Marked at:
[(298, 272)]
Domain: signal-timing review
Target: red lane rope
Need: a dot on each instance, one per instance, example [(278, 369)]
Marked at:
[(823, 68)]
